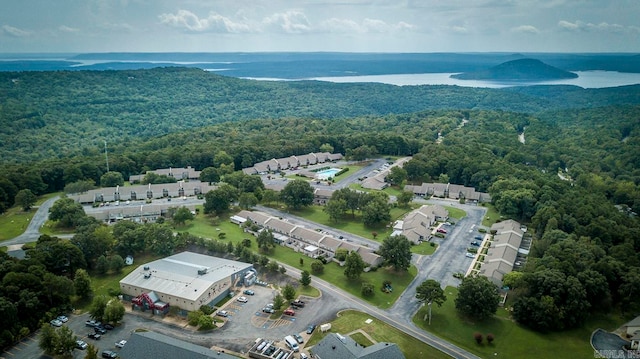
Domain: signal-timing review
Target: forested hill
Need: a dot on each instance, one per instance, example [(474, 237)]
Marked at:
[(518, 70), (59, 114)]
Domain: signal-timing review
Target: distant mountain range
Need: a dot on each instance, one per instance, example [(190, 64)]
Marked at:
[(518, 70)]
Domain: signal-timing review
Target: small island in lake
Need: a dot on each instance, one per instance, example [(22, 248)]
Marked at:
[(518, 70)]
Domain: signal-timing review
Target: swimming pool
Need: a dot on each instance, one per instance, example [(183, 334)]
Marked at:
[(328, 173)]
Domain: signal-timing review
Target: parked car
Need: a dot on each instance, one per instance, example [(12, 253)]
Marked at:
[(303, 356), (470, 255), (289, 312), (94, 336), (311, 328), (248, 292), (108, 327), (100, 330), (475, 243), (109, 354), (268, 310), (81, 344), (242, 299), (92, 323), (222, 313), (442, 230), (298, 303), (121, 344), (56, 323), (478, 238), (63, 318), (298, 338)]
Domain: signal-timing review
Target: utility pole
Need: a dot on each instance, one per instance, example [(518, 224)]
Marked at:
[(106, 156)]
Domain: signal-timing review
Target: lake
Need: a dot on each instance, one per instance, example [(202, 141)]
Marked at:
[(585, 79)]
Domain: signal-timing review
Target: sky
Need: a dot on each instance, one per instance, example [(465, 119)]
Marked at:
[(72, 26)]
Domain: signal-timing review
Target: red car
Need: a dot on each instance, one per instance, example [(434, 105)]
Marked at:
[(289, 312), (442, 230)]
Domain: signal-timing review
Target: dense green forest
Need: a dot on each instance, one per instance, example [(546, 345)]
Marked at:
[(574, 179), (68, 113)]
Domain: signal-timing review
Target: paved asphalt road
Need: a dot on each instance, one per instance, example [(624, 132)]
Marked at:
[(32, 233)]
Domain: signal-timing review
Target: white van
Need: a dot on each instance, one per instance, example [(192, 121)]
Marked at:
[(291, 343)]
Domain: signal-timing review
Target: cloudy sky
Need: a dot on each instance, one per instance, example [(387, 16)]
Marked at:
[(319, 25)]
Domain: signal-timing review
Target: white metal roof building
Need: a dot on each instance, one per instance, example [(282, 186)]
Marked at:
[(187, 280)]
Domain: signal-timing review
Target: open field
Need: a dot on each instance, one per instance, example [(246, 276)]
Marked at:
[(14, 221), (492, 215), (350, 320), (511, 339), (349, 223)]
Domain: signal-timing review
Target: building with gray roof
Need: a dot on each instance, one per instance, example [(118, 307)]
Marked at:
[(336, 346), (187, 280), (159, 346)]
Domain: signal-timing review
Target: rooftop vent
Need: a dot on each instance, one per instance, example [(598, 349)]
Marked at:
[(202, 271), (147, 275), (146, 267)]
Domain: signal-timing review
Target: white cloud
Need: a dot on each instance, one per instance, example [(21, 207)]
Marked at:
[(214, 22), (64, 28), (459, 29), (587, 26), (336, 25), (528, 29), (14, 31), (292, 22)]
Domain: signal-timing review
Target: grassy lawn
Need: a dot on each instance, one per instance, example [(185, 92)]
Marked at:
[(351, 320), (492, 215), (511, 339), (456, 213), (309, 291), (50, 228), (392, 190), (14, 221), (361, 339), (424, 248), (352, 169), (350, 224), (334, 274)]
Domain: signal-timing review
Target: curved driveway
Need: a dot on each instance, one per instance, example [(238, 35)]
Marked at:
[(32, 233)]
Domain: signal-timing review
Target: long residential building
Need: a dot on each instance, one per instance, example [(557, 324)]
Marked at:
[(501, 256), (304, 240), (447, 190), (187, 173), (142, 192), (291, 162)]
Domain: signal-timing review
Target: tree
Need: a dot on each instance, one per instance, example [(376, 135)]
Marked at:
[(305, 278), (98, 307), (47, 341), (289, 292), (82, 283), (367, 289), (278, 301), (111, 179), (209, 174), (430, 291), (25, 199), (396, 250), (396, 175), (66, 212), (317, 267), (114, 311), (116, 263), (341, 254), (218, 200), (477, 297), (270, 196), (182, 215), (404, 198), (102, 265), (266, 241), (205, 322), (297, 194), (490, 338), (376, 212), (326, 147), (335, 209), (353, 266), (477, 336), (247, 200)]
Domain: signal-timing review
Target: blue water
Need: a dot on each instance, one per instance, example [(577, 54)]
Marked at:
[(326, 174), (594, 70)]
